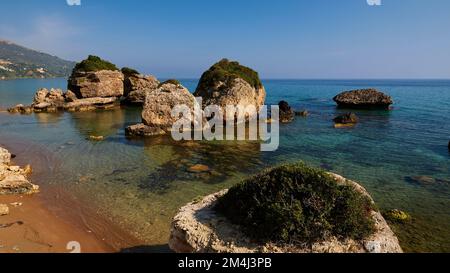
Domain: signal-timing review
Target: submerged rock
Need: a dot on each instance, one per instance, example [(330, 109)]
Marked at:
[(286, 113), (198, 227), (229, 83), (199, 168), (142, 130), (363, 98), (397, 216), (345, 120), (303, 113)]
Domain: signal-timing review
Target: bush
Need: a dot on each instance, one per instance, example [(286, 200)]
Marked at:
[(296, 203), (171, 81), (93, 64), (225, 70), (129, 71)]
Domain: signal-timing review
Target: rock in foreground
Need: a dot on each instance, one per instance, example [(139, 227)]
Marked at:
[(13, 179), (363, 99), (199, 227)]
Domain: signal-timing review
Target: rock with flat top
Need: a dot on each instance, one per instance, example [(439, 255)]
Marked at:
[(92, 84), (363, 99)]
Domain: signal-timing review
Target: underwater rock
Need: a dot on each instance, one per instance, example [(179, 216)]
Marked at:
[(142, 130), (286, 113), (199, 168), (96, 138), (229, 83), (397, 215), (363, 99), (421, 180), (345, 120), (303, 113)]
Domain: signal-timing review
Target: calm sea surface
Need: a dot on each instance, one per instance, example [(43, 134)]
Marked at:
[(140, 184)]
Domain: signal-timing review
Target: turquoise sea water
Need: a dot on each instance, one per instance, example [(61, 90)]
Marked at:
[(140, 184)]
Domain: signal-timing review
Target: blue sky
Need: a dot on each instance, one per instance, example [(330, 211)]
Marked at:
[(280, 39)]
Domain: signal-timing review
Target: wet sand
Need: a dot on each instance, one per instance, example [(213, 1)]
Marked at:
[(48, 221)]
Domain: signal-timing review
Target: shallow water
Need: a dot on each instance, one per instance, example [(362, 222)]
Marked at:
[(140, 184)]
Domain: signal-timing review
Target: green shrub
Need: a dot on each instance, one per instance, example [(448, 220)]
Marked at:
[(296, 203), (172, 81), (129, 71), (226, 70), (93, 64)]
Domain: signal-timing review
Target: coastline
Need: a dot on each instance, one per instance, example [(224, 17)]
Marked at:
[(46, 222)]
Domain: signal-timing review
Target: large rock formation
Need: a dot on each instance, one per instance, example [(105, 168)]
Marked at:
[(198, 227), (156, 115), (104, 83), (229, 83), (136, 86), (95, 77), (13, 179), (364, 98)]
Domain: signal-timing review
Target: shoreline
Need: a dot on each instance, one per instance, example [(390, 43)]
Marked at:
[(47, 221)]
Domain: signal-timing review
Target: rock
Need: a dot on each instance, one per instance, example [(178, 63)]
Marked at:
[(70, 96), (5, 157), (397, 216), (198, 228), (159, 104), (421, 180), (364, 98), (348, 119), (286, 113), (229, 83), (20, 109), (17, 184), (89, 104), (4, 210), (303, 113), (93, 84), (54, 97), (12, 179), (143, 130), (16, 204), (199, 168), (136, 86), (96, 138)]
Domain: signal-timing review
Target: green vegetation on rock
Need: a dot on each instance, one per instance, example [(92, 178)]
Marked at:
[(226, 70), (129, 71), (93, 64), (297, 203), (171, 81)]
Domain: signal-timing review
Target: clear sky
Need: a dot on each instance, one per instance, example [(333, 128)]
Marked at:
[(280, 39)]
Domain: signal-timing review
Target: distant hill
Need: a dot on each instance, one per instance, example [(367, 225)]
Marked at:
[(20, 62)]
